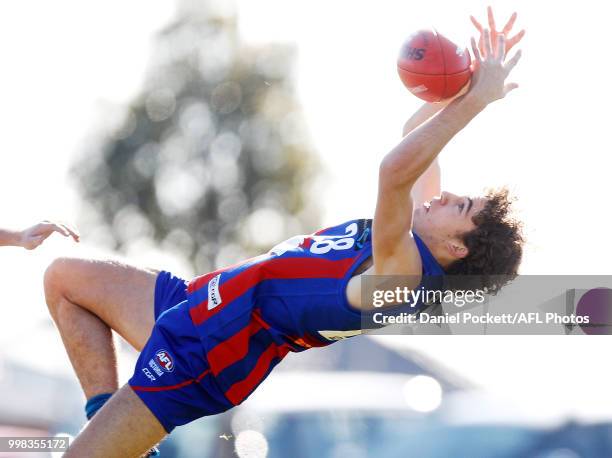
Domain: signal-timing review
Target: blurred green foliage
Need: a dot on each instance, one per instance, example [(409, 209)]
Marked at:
[(211, 159)]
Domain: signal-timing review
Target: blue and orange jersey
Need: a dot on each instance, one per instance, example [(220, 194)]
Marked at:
[(251, 314)]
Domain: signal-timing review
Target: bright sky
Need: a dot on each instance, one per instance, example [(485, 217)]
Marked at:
[(63, 61)]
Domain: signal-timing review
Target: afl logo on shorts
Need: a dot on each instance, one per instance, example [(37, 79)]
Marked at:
[(165, 361)]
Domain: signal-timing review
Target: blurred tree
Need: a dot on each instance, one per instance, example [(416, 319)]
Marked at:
[(211, 159)]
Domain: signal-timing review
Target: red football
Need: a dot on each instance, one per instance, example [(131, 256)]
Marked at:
[(432, 67)]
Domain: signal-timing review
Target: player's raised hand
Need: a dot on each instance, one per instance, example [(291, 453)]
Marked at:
[(491, 70), (33, 236), (510, 42)]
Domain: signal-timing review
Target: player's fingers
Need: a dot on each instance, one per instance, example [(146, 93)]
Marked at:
[(491, 18), (474, 66), (481, 44), (53, 227), (62, 230), (500, 54), (487, 44), (509, 87), (475, 50), (65, 230), (476, 24), (509, 24), (515, 39), (512, 62), (72, 232)]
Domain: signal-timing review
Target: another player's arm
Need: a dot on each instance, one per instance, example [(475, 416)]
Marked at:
[(9, 237), (428, 185), (32, 237), (394, 249)]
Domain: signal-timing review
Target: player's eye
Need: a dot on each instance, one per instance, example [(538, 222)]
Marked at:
[(461, 207)]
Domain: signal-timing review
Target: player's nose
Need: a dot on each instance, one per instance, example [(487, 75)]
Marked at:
[(444, 197), (447, 197)]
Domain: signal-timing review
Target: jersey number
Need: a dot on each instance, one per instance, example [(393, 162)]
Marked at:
[(325, 243)]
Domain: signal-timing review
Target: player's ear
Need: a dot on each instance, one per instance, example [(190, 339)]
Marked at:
[(456, 248)]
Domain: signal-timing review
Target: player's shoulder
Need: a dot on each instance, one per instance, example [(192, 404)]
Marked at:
[(404, 259)]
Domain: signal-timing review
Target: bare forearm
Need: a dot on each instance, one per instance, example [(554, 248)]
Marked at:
[(428, 185), (426, 112), (32, 237), (413, 155), (10, 238)]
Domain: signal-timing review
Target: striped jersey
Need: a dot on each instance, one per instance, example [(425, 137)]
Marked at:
[(251, 314)]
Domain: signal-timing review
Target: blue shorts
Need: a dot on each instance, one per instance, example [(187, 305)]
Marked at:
[(169, 291), (172, 376)]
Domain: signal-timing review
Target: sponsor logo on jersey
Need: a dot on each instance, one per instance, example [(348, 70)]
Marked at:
[(155, 368), (147, 372), (214, 298), (164, 360), (361, 240)]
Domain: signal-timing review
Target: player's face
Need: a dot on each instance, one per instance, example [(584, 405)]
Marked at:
[(447, 217)]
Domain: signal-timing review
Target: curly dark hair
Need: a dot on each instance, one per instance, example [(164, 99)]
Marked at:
[(495, 247)]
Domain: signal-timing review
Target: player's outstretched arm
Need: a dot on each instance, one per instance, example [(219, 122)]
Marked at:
[(395, 252), (428, 185), (32, 237)]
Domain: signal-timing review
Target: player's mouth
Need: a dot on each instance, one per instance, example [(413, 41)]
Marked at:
[(427, 206)]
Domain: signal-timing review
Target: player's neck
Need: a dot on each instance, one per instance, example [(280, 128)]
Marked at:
[(437, 248)]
